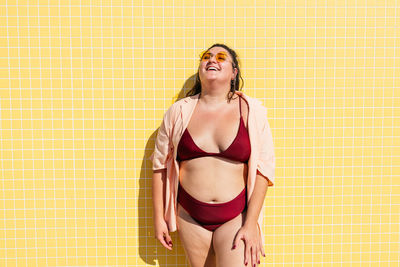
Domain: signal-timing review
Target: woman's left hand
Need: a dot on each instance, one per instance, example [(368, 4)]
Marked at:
[(251, 237)]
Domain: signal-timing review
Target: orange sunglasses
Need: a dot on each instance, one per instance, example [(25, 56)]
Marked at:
[(220, 56)]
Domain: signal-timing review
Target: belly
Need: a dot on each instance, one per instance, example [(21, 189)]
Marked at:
[(213, 179)]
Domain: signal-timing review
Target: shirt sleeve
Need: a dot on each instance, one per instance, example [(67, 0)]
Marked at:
[(266, 160), (163, 148)]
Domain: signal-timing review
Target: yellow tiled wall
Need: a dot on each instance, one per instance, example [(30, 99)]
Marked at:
[(84, 85)]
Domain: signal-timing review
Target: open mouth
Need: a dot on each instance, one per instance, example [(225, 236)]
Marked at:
[(212, 69)]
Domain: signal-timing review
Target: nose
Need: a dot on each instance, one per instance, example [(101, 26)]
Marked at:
[(213, 58)]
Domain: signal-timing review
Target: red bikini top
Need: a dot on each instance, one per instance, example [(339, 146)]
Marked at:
[(239, 150)]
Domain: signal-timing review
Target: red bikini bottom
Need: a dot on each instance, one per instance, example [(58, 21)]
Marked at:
[(212, 216)]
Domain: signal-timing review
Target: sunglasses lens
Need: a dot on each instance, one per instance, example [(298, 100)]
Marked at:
[(221, 57), (206, 56)]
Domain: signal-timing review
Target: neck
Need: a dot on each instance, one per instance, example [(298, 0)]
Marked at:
[(214, 94)]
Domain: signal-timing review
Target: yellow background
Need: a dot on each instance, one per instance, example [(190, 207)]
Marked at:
[(84, 85)]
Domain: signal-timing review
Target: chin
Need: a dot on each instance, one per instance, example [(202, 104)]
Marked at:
[(209, 77)]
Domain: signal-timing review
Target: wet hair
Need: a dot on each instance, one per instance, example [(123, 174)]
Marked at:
[(236, 84)]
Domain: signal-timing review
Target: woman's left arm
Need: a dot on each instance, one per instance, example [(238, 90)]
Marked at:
[(249, 232)]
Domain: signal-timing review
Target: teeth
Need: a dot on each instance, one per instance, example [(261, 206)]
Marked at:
[(212, 68)]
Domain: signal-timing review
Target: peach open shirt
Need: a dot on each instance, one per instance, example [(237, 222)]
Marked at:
[(176, 119)]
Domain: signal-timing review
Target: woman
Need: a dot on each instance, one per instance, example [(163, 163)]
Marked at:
[(213, 162)]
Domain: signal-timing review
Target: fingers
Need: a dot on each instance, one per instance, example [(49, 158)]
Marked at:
[(252, 254), (162, 241), (165, 240), (247, 253), (168, 239), (256, 256), (252, 250), (238, 237), (262, 250)]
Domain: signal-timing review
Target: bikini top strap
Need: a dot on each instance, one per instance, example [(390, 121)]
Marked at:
[(240, 106)]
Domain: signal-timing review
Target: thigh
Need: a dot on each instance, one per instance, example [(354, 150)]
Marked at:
[(223, 241), (196, 240)]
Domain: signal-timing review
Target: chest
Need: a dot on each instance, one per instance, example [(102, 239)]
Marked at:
[(214, 131)]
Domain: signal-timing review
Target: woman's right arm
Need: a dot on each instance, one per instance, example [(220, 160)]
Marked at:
[(162, 152), (160, 225)]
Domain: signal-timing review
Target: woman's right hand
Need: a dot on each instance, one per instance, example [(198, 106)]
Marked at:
[(162, 233)]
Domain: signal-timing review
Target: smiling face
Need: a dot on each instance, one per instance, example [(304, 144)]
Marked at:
[(216, 66)]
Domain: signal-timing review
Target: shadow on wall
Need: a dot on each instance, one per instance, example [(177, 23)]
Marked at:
[(150, 250)]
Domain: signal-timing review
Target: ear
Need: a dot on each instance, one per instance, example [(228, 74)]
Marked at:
[(234, 73)]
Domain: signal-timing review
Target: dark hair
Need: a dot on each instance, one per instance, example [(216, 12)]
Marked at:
[(236, 85)]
